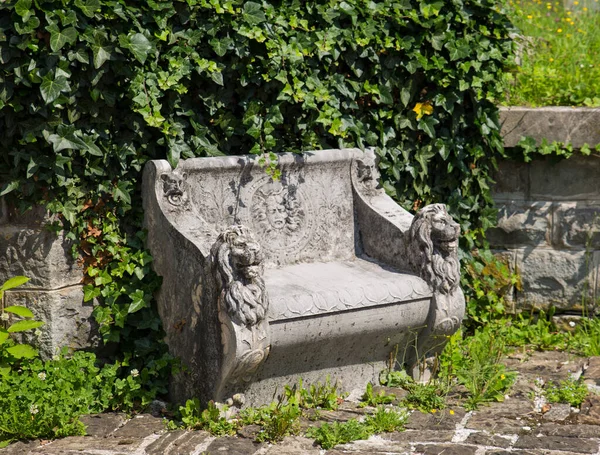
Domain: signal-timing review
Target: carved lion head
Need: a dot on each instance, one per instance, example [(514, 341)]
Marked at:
[(238, 269), (433, 238)]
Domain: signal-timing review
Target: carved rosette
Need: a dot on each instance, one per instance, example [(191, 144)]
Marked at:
[(433, 246), (237, 267)]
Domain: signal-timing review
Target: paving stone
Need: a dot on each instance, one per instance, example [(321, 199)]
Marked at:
[(590, 411), (233, 446), (496, 424), (412, 436), (569, 431), (557, 443), (249, 431), (140, 427), (294, 445), (21, 447), (505, 452), (101, 425), (484, 439), (79, 444), (592, 371), (376, 444), (441, 420), (332, 416), (455, 449), (178, 442), (558, 412)]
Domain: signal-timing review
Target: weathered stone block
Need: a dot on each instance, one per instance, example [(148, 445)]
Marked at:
[(522, 223), (555, 278), (565, 180), (576, 126), (40, 255), (512, 181), (68, 320), (577, 225)]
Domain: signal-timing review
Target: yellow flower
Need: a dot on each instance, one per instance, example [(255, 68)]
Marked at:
[(433, 411), (530, 17), (584, 8), (451, 412), (568, 13), (423, 109), (551, 59), (559, 30), (502, 376), (575, 3)]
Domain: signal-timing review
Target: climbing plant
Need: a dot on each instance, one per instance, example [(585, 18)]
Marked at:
[(90, 90)]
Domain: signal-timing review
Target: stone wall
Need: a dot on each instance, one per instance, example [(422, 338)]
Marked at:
[(54, 292), (549, 211)]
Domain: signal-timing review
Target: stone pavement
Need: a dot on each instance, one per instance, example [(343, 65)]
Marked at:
[(519, 425)]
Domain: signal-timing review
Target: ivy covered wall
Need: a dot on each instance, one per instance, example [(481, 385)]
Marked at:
[(92, 89)]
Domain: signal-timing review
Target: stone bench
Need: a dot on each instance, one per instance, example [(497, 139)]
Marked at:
[(317, 273)]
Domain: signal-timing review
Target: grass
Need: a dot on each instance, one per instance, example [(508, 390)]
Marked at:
[(558, 56)]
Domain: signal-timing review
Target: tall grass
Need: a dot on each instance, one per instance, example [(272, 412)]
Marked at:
[(559, 54)]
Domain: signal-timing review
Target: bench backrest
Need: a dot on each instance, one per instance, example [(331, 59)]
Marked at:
[(306, 215)]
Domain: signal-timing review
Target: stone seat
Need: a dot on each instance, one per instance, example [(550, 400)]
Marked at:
[(318, 273), (304, 290)]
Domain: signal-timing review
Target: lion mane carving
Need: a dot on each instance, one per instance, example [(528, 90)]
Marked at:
[(238, 269), (433, 239)]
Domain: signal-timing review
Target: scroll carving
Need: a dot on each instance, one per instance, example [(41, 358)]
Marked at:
[(243, 303)]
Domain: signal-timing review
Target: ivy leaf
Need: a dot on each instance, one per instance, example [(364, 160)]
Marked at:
[(19, 310), (58, 38), (253, 13), (22, 351), (121, 191), (220, 46), (88, 7), (22, 7), (10, 187), (90, 292), (52, 88), (22, 326), (137, 301), (138, 44), (101, 55), (427, 124), (14, 282)]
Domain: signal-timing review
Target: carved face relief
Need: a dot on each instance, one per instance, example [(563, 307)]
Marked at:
[(174, 188), (276, 213), (444, 232), (277, 210)]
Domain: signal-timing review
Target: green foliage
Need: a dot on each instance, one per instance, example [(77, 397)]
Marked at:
[(11, 353), (384, 419), (536, 331), (476, 363), (45, 399), (424, 397), (278, 420), (213, 418), (317, 396), (332, 434), (371, 398), (586, 339), (528, 149), (571, 391), (486, 280), (558, 55)]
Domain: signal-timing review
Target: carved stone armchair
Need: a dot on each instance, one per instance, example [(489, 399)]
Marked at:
[(318, 273)]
